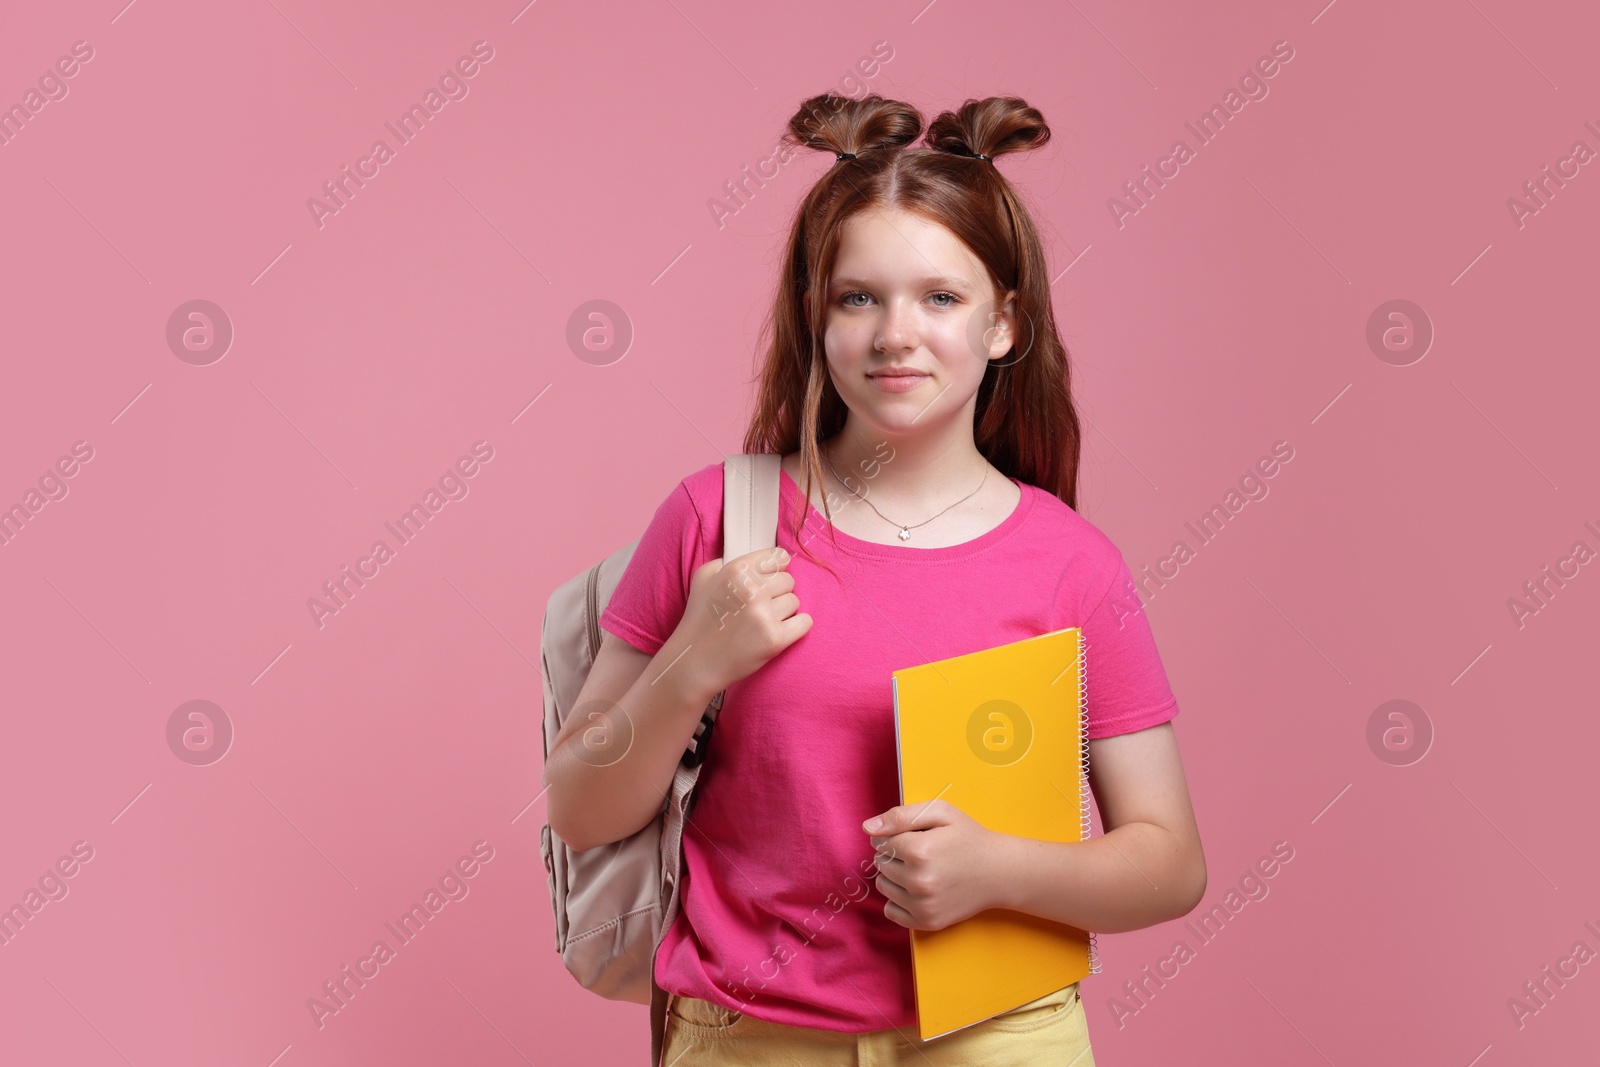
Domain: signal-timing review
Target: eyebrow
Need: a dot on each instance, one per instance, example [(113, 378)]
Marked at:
[(932, 282)]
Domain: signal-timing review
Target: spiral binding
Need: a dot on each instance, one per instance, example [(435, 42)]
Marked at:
[(1083, 772)]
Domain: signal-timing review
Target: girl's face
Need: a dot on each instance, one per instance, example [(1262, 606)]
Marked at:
[(907, 294)]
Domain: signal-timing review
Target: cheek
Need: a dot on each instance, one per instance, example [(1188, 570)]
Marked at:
[(959, 348), (844, 369), (849, 337), (847, 345)]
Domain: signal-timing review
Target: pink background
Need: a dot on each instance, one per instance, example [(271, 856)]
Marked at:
[(430, 313)]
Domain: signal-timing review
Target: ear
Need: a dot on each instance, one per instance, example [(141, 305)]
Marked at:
[(1002, 332)]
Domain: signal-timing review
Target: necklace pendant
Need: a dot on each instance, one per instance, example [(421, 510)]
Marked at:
[(905, 534)]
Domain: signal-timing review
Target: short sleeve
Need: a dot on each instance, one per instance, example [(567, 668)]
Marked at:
[(650, 597), (1127, 685)]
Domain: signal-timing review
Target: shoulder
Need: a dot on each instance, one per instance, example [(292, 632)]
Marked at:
[(705, 483), (703, 491), (696, 491), (1066, 529), (692, 510), (1088, 563)]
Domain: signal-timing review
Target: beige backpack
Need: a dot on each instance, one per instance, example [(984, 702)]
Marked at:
[(614, 903)]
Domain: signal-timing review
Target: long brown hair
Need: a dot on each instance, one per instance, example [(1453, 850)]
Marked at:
[(1025, 423)]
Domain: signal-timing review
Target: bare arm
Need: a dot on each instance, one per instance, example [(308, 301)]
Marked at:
[(1147, 868), (614, 758)]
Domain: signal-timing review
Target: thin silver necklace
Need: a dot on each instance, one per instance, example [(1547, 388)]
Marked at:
[(905, 531)]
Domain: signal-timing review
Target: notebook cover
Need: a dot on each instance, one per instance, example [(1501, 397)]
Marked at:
[(1000, 734)]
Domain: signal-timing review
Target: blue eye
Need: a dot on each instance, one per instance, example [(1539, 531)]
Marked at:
[(845, 298)]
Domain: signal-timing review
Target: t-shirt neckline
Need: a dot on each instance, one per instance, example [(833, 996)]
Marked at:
[(818, 527)]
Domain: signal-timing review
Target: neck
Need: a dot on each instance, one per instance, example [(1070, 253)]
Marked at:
[(913, 468)]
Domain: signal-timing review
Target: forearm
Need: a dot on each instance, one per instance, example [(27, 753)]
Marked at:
[(609, 779), (1137, 875)]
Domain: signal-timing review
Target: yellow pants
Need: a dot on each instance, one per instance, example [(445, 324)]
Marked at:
[(1051, 1030)]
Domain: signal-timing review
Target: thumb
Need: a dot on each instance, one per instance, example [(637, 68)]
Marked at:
[(923, 815), (888, 823)]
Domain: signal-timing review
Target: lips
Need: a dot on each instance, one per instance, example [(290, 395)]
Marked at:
[(898, 379)]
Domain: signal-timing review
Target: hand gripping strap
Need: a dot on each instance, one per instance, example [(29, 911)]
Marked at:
[(750, 489), (749, 522)]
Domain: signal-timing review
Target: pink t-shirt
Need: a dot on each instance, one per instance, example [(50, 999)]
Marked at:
[(780, 918)]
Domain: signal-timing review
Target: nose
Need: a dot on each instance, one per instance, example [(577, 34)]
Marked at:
[(899, 329)]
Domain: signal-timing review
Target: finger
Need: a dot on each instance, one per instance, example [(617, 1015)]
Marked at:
[(919, 816), (893, 890), (896, 914), (770, 560), (905, 845), (885, 823), (928, 813), (795, 627), (893, 867), (782, 582)]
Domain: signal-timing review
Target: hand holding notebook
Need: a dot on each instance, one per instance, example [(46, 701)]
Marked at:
[(942, 850), (999, 735)]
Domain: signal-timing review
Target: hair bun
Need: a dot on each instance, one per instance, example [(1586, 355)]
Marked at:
[(845, 126), (989, 127)]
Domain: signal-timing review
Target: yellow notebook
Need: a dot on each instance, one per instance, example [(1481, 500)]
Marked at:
[(998, 733)]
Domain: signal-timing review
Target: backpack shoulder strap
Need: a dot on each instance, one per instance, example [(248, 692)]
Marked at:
[(750, 490), (749, 503)]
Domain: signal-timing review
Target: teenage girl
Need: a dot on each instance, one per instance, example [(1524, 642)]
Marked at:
[(920, 397)]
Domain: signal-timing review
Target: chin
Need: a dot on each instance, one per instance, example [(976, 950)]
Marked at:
[(893, 419)]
